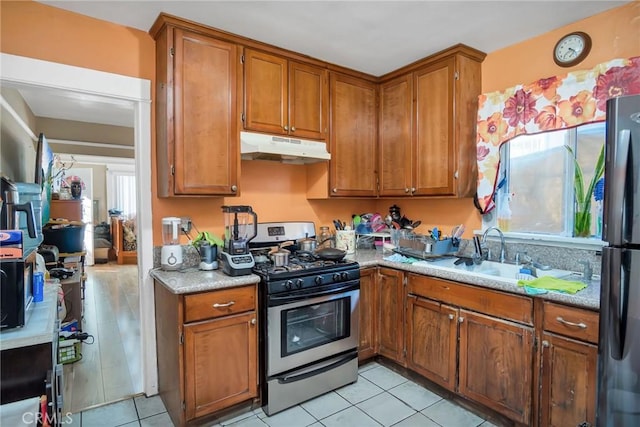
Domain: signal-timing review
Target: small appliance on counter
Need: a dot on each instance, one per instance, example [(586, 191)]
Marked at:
[(171, 254), (10, 209), (240, 226), (208, 256)]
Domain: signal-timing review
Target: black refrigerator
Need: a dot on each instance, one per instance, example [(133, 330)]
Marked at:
[(619, 342)]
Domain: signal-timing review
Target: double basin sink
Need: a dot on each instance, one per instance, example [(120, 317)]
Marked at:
[(495, 270)]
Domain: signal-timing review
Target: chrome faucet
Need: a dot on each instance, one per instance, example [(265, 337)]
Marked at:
[(502, 244)]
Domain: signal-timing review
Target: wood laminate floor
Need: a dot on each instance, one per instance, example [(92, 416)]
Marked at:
[(110, 368)]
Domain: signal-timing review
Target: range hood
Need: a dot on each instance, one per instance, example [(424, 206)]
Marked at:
[(258, 146)]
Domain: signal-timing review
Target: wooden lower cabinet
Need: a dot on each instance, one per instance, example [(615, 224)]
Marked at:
[(391, 314), (496, 364), (368, 314), (568, 391), (432, 338), (568, 366), (211, 363)]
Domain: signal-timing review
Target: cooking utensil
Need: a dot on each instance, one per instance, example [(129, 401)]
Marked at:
[(307, 244), (457, 231), (338, 224), (280, 257), (435, 234), (329, 254)]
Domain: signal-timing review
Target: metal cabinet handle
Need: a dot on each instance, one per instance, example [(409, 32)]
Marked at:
[(413, 189), (406, 190), (229, 304), (253, 321), (451, 316), (285, 127), (335, 190), (460, 319), (566, 322), (234, 188), (545, 343), (293, 128)]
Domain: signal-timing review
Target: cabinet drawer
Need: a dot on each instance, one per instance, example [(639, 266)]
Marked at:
[(572, 322), (499, 304), (219, 303)]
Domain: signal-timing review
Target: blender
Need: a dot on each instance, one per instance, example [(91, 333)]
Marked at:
[(240, 226), (171, 255)]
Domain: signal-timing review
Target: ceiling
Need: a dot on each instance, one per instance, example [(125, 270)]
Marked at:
[(374, 37)]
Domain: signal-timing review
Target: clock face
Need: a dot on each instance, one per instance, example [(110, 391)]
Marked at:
[(571, 49)]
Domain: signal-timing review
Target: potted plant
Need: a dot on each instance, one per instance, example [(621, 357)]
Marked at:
[(582, 217)]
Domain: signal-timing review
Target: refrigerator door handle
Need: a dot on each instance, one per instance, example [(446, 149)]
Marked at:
[(616, 232), (618, 285)]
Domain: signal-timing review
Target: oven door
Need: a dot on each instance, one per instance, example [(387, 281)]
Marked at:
[(307, 328)]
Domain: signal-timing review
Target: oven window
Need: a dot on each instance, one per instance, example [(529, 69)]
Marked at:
[(314, 325)]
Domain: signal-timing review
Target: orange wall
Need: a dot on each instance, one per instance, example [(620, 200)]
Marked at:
[(278, 192), (614, 34), (39, 31)]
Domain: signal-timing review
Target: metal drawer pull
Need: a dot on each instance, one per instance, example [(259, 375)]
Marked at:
[(229, 304), (566, 322), (451, 317)]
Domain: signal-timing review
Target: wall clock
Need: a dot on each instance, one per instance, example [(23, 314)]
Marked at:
[(572, 49)]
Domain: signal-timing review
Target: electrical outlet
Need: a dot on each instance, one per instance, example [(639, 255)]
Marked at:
[(185, 224)]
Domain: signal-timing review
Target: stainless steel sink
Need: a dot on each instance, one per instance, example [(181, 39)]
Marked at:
[(493, 269)]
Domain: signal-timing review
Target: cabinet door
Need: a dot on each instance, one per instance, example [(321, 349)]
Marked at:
[(391, 314), (205, 115), (221, 363), (265, 91), (432, 338), (396, 102), (433, 152), (568, 392), (496, 364), (368, 314), (308, 101), (352, 169)]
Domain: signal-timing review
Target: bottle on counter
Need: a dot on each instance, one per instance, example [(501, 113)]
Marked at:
[(325, 238)]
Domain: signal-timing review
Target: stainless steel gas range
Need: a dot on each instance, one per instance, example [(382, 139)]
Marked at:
[(309, 312)]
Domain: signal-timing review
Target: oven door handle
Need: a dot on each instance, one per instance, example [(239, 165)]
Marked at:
[(279, 300), (288, 379)]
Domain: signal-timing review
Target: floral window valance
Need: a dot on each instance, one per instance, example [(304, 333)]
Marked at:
[(559, 102)]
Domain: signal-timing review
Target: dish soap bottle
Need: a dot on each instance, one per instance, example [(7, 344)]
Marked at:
[(504, 212)]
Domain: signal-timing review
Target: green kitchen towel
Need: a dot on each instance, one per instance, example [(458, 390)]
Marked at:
[(553, 284)]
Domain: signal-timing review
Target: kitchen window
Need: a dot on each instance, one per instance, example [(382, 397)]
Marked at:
[(535, 192)]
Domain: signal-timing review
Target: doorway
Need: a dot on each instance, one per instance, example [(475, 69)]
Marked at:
[(47, 77)]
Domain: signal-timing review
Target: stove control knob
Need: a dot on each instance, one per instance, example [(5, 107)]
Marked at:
[(344, 275), (299, 283), (318, 280), (288, 284), (336, 277)]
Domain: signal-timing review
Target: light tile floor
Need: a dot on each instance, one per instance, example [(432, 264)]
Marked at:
[(380, 397)]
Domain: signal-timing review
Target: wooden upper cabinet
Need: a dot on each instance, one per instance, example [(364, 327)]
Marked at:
[(428, 118), (352, 169), (308, 101), (433, 151), (197, 114), (394, 139), (284, 97)]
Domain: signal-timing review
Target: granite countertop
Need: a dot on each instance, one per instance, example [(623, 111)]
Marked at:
[(194, 280), (191, 280), (40, 325), (586, 298)]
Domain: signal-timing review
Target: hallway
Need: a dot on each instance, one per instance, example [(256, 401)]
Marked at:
[(110, 368)]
